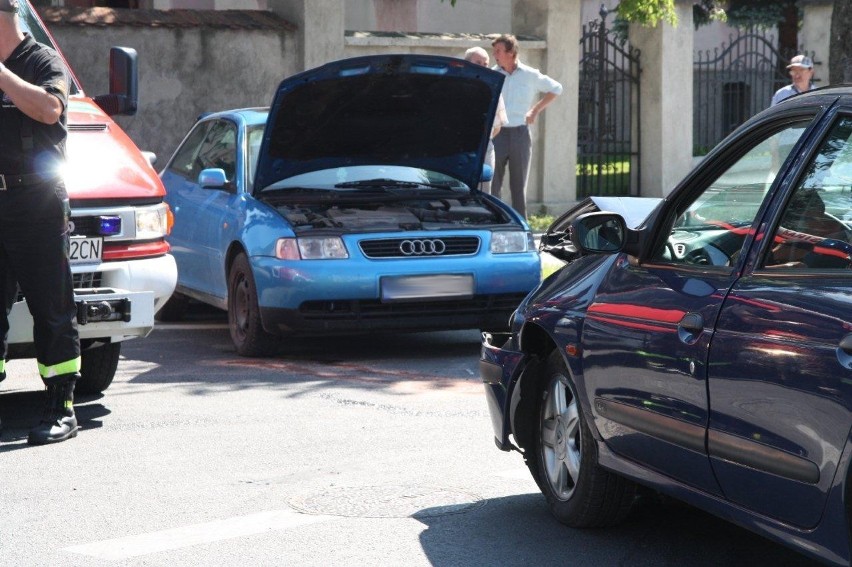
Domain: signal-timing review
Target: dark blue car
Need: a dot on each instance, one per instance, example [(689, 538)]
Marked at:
[(707, 353)]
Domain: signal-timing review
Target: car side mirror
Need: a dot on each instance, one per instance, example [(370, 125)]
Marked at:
[(123, 97), (603, 233), (487, 173), (213, 178)]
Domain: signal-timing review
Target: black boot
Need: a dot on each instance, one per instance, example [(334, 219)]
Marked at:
[(58, 422)]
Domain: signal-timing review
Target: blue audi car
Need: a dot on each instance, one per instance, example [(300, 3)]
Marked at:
[(706, 353), (350, 205)]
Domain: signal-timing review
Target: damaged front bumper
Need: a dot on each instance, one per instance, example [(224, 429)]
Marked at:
[(501, 363)]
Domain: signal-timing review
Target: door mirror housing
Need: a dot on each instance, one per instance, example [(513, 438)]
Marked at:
[(604, 233)]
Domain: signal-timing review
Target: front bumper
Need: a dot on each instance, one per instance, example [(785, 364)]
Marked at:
[(116, 300), (500, 367), (357, 317)]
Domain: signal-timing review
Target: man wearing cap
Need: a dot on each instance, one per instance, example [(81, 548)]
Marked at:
[(802, 72), (34, 217)]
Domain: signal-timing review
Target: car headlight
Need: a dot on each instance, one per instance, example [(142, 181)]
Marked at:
[(505, 242), (152, 222), (311, 248)]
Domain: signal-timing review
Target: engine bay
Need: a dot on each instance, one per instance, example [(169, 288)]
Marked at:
[(384, 216)]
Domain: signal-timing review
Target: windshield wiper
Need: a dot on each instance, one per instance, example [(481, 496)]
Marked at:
[(391, 183)]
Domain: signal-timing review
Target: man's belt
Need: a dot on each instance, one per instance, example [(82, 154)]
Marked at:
[(13, 181)]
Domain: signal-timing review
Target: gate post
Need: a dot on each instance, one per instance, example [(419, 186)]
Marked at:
[(665, 88), (815, 33), (321, 29), (555, 156)]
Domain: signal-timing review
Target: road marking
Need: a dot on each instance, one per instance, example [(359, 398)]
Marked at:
[(185, 536)]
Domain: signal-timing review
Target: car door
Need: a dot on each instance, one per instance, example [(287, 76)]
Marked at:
[(647, 334), (185, 197), (781, 360), (213, 222), (201, 210)]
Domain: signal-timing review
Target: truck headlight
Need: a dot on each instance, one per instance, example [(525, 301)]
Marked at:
[(505, 242), (152, 222)]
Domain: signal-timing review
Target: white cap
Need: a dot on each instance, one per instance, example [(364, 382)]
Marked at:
[(802, 61)]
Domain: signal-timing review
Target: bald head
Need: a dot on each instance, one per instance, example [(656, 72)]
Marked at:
[(475, 55)]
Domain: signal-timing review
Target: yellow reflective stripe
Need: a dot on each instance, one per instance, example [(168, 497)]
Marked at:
[(67, 367), (2, 365)]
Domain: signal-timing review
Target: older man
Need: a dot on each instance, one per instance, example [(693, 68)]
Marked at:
[(479, 56), (526, 92), (802, 73)]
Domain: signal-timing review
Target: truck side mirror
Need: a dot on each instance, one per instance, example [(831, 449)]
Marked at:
[(123, 97)]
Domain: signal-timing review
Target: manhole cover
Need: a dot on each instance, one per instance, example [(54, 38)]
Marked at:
[(387, 502)]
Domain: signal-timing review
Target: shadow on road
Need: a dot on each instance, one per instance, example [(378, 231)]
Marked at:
[(21, 411), (519, 531), (199, 351)]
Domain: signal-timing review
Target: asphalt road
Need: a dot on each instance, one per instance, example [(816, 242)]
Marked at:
[(346, 452)]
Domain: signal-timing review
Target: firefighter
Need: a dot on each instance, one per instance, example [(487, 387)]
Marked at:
[(34, 212)]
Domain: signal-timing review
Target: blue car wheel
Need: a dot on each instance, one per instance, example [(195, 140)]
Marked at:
[(244, 322)]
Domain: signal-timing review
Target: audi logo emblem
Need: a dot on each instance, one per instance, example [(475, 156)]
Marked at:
[(422, 247)]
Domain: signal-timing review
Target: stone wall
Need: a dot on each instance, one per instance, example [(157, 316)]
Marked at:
[(183, 72)]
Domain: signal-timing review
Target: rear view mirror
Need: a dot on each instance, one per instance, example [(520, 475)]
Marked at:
[(599, 232), (213, 178)]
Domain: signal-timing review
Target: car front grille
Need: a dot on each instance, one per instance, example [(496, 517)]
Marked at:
[(420, 247)]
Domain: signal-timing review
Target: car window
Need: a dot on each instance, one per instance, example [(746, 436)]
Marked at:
[(255, 137), (219, 149), (711, 229), (184, 162), (815, 230), (342, 175)]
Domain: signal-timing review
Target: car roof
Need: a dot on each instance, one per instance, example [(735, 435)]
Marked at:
[(253, 116)]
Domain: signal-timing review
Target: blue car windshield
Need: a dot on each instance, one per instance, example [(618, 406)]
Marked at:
[(365, 177)]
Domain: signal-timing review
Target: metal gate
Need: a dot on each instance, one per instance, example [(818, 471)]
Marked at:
[(733, 83), (608, 125)]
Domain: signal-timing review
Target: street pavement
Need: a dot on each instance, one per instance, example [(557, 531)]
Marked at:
[(363, 451)]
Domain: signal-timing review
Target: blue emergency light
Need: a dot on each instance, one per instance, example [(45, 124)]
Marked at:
[(109, 226)]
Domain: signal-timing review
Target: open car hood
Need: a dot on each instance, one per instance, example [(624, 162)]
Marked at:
[(421, 111)]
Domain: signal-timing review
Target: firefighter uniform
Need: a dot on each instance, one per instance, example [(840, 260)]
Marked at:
[(34, 213)]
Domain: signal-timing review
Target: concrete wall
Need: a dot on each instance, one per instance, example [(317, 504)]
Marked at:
[(182, 73), (815, 35)]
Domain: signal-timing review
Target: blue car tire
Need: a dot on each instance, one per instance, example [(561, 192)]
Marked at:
[(247, 332)]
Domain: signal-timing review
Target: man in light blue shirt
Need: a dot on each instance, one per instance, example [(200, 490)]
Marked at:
[(802, 73), (526, 92)]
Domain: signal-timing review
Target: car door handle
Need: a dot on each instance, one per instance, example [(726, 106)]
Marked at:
[(846, 344), (690, 328), (692, 322)]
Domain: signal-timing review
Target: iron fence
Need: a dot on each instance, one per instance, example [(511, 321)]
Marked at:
[(608, 115), (733, 83)]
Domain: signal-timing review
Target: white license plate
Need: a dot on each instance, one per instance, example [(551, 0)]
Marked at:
[(86, 250), (400, 288)]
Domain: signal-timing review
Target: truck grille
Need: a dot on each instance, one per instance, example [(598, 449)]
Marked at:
[(402, 247), (84, 280), (85, 226)]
